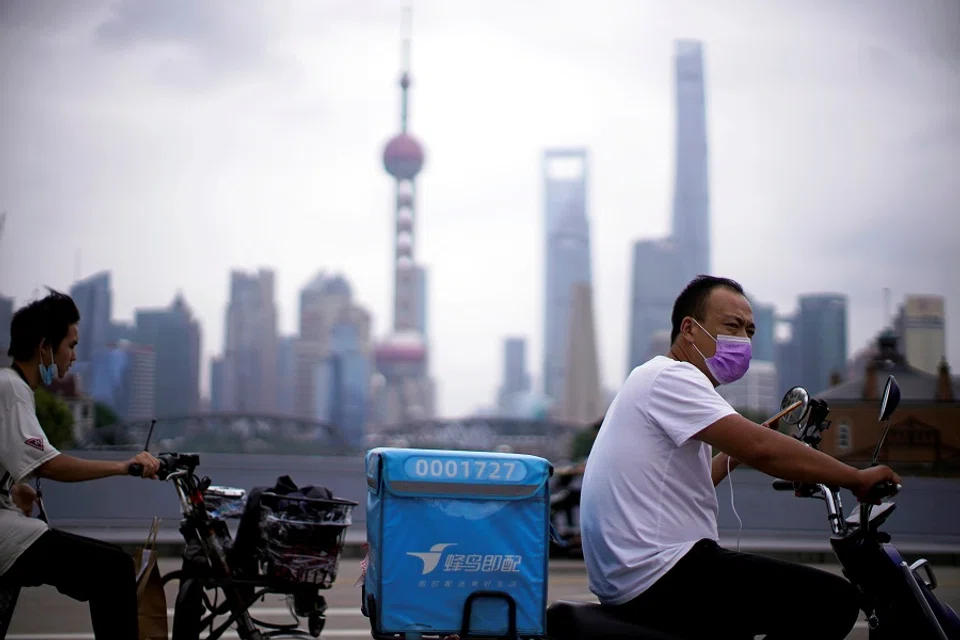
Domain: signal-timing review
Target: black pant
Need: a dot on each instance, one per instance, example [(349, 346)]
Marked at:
[(715, 593), (87, 570)]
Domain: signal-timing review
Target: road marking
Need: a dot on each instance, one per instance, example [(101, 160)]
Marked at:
[(229, 635)]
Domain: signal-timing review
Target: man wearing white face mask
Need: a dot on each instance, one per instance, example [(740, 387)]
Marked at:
[(648, 508), (43, 339)]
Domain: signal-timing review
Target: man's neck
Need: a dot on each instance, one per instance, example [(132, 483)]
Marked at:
[(31, 371)]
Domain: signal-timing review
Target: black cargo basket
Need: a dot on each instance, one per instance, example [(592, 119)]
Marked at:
[(301, 538)]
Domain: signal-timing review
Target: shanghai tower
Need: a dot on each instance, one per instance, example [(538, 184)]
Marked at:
[(691, 198)]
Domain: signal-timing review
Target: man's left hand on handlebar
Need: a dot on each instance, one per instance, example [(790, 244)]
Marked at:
[(150, 464)]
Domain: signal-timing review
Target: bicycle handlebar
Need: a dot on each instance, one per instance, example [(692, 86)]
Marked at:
[(169, 462), (884, 489)]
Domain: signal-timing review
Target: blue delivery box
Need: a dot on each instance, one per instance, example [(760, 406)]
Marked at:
[(458, 543)]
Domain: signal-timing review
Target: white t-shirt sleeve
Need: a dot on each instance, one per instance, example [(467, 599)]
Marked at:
[(23, 444), (683, 402)]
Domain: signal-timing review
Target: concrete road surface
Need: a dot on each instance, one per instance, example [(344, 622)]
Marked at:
[(44, 614)]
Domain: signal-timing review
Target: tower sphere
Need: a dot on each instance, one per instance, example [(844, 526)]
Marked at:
[(403, 157)]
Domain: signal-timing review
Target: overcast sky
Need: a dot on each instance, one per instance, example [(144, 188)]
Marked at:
[(173, 141)]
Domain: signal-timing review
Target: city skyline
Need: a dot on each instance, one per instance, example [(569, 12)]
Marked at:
[(815, 108)]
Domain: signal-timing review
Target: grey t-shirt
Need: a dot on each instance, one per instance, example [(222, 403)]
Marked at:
[(23, 448)]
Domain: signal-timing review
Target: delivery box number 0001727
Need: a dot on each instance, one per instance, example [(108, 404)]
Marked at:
[(465, 470)]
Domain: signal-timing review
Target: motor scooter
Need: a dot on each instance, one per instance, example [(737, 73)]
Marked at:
[(897, 598)]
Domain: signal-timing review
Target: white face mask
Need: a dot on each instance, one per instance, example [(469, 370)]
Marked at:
[(48, 373)]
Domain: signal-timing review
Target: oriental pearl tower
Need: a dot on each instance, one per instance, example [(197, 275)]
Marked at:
[(406, 390)]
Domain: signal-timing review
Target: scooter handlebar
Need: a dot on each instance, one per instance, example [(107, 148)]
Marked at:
[(881, 490), (169, 462)]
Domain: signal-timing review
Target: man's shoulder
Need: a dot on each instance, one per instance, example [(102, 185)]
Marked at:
[(13, 390), (661, 370)]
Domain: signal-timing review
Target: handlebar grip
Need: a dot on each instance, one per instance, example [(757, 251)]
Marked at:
[(882, 490), (783, 485), (135, 469)]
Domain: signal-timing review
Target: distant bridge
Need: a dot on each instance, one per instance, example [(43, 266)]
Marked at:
[(233, 432), (241, 432)]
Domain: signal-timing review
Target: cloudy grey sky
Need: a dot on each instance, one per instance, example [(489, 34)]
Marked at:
[(173, 141)]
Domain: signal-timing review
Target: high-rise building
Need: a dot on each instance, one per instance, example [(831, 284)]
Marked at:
[(250, 356), (662, 268), (286, 375), (516, 378), (820, 333), (756, 391), (123, 378), (6, 316), (567, 253), (94, 300), (655, 285), (921, 326), (691, 196), (174, 335), (402, 359), (217, 385), (582, 400), (326, 307), (765, 338), (342, 383)]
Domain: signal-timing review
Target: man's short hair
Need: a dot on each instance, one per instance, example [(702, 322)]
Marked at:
[(45, 320), (692, 301)]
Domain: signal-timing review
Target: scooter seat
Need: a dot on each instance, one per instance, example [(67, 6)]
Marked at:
[(582, 620)]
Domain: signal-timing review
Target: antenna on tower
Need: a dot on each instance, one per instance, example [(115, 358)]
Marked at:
[(406, 33), (405, 36), (3, 219)]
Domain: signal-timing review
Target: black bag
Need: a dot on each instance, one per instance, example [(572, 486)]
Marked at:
[(243, 556)]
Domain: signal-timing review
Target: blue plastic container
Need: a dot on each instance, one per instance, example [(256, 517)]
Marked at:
[(443, 525)]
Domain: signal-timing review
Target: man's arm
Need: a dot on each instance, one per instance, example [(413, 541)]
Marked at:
[(65, 468), (719, 468), (784, 457)]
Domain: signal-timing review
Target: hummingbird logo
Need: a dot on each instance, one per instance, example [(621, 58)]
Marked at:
[(431, 558)]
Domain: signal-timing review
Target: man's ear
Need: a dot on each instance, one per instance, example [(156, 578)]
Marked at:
[(686, 329)]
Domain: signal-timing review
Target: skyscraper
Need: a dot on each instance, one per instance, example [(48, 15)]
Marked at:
[(332, 326), (655, 285), (582, 394), (250, 357), (820, 330), (920, 324), (567, 253), (174, 335), (94, 300), (691, 196), (6, 316), (402, 359), (661, 268), (516, 379)]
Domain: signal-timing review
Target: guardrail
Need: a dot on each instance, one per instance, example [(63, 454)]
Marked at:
[(120, 510)]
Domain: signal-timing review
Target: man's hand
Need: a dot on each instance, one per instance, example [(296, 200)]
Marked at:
[(24, 496), (868, 478), (150, 464)]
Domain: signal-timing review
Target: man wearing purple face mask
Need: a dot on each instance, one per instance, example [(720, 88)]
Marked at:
[(648, 507)]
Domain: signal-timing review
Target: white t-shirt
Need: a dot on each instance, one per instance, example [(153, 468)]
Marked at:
[(23, 448), (647, 494)]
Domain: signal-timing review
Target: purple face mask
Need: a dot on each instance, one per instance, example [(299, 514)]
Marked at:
[(732, 358)]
